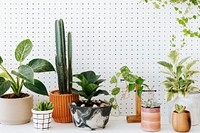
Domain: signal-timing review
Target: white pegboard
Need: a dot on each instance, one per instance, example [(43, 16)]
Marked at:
[(106, 35)]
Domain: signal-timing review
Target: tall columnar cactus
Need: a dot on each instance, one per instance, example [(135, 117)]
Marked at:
[(64, 70)]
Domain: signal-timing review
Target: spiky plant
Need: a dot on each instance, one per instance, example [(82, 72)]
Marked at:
[(64, 69), (44, 106)]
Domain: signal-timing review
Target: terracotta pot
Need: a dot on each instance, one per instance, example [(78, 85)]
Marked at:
[(16, 111), (181, 122), (90, 117), (61, 112), (150, 119), (42, 119)]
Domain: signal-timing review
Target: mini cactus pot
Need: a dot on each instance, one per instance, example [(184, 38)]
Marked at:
[(150, 119), (90, 117), (42, 119), (181, 122)]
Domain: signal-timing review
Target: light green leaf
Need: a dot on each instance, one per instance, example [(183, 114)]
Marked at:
[(166, 64), (125, 69), (4, 75), (115, 91), (118, 75), (183, 60), (179, 71), (113, 80), (112, 100), (23, 50), (189, 65), (38, 87), (4, 85), (173, 55), (170, 96), (156, 5), (41, 65), (1, 60), (168, 73), (25, 72)]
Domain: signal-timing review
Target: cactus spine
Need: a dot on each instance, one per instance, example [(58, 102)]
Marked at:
[(64, 72)]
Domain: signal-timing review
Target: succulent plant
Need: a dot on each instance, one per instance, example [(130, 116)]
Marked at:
[(179, 108), (150, 103), (44, 106), (89, 82), (63, 64)]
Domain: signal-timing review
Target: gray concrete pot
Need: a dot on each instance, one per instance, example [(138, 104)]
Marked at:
[(91, 117), (16, 111)]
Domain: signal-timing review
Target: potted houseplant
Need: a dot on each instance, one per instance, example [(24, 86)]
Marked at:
[(150, 115), (18, 101), (42, 115), (179, 84), (62, 97), (181, 120), (90, 113)]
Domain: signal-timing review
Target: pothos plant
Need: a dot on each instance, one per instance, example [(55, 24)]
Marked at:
[(131, 80), (24, 76), (188, 11), (179, 74)]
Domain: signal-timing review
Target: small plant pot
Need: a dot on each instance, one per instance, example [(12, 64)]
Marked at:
[(150, 119), (42, 119), (61, 112), (181, 122), (90, 117)]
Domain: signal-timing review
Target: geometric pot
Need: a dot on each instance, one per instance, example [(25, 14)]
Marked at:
[(16, 110), (150, 119), (181, 122), (90, 117), (42, 119), (61, 112), (192, 103)]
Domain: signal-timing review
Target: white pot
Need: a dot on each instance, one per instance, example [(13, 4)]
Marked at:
[(16, 111), (42, 119), (192, 103)]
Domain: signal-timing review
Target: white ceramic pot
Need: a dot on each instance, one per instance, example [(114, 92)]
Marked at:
[(42, 119), (192, 103), (16, 111)]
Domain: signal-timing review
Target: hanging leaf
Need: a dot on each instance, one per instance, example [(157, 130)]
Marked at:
[(115, 91), (131, 87), (113, 80)]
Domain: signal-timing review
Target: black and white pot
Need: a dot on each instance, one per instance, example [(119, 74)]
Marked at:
[(91, 117)]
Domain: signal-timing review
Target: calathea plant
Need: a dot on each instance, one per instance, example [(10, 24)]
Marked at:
[(25, 73), (179, 76), (131, 80), (89, 83)]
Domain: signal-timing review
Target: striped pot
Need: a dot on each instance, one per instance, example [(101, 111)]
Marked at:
[(150, 119), (61, 112)]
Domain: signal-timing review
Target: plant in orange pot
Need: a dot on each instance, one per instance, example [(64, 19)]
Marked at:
[(63, 97), (181, 119)]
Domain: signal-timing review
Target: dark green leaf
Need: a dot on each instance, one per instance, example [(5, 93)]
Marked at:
[(4, 85), (146, 1), (113, 80), (1, 60), (112, 100), (139, 91), (23, 50), (41, 65), (38, 87), (139, 81), (25, 72), (104, 92), (131, 87), (90, 76), (99, 81), (90, 88), (115, 91), (114, 106)]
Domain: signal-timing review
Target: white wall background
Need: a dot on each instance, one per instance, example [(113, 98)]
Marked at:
[(106, 36)]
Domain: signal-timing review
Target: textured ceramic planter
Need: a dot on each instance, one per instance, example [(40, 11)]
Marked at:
[(150, 119), (61, 112), (90, 117), (16, 111), (181, 122), (192, 102), (42, 119)]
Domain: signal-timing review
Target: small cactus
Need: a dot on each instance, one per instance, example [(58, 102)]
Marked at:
[(179, 108)]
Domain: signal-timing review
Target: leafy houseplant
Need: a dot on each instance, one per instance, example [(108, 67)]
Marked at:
[(132, 82), (150, 115), (179, 76), (181, 119), (18, 101), (42, 115), (90, 113), (62, 97)]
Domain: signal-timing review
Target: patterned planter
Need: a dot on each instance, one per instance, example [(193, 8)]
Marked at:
[(181, 122), (42, 119), (61, 112), (150, 119), (91, 117)]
